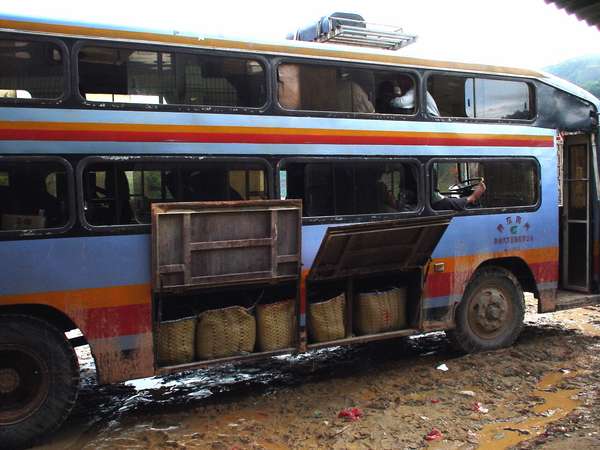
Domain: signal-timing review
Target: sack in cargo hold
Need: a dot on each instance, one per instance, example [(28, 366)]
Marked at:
[(377, 312), (176, 341), (276, 325), (225, 332), (326, 319)]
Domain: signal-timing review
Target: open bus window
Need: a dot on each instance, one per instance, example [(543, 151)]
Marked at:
[(31, 70), (336, 88), (350, 188), (34, 195), (121, 193), (459, 96), (510, 183), (134, 76)]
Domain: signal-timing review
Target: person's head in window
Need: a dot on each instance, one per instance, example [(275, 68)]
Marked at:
[(403, 100)]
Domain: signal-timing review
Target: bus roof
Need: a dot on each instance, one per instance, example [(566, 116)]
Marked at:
[(284, 47)]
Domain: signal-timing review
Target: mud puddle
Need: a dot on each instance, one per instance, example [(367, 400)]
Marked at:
[(557, 404)]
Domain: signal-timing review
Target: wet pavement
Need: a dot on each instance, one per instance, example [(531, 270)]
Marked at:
[(542, 392)]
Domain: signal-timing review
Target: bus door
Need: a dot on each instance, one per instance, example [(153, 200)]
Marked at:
[(576, 251)]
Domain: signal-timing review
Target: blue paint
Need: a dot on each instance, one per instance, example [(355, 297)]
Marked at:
[(46, 265), (440, 302)]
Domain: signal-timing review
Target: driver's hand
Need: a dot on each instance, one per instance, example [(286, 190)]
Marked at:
[(478, 191)]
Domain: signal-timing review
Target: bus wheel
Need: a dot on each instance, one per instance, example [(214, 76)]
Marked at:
[(39, 379), (490, 314)]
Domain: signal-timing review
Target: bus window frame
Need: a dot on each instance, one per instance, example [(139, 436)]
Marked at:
[(356, 218), (67, 73), (414, 74), (71, 204), (176, 159), (262, 59), (530, 83), (481, 210)]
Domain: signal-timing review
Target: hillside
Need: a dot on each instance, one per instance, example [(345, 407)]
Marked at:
[(583, 71)]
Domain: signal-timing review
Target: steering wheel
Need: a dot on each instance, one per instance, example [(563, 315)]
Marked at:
[(465, 187)]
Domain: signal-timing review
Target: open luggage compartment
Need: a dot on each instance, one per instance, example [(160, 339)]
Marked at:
[(227, 283), (225, 280), (376, 271)]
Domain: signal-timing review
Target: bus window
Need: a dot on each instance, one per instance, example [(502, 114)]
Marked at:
[(135, 76), (121, 193), (350, 188), (31, 70), (502, 99), (342, 89), (510, 183), (458, 96), (34, 195)]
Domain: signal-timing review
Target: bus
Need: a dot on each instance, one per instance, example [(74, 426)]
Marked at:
[(184, 201)]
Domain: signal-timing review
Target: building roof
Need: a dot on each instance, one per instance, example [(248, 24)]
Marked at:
[(587, 10)]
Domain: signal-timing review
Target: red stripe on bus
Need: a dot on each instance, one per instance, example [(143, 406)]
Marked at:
[(452, 283), (249, 138), (545, 272), (438, 284), (118, 321)]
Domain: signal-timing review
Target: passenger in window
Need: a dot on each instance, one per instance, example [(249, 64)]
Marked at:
[(385, 95), (404, 98), (440, 201), (351, 97)]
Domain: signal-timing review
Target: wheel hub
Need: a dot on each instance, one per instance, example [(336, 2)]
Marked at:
[(9, 380), (489, 310), (24, 383)]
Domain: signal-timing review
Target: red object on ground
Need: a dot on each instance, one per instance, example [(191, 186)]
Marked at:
[(350, 414), (478, 407), (434, 435), (435, 400)]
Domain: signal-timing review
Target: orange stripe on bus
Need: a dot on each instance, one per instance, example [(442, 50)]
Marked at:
[(470, 262), (82, 299)]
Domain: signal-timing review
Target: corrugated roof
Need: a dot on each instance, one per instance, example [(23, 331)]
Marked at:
[(587, 10)]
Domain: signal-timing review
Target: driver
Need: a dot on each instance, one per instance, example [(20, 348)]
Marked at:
[(439, 201)]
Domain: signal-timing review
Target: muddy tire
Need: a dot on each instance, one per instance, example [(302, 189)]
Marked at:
[(490, 314), (39, 379)]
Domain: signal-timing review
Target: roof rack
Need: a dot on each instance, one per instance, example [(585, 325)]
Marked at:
[(352, 29)]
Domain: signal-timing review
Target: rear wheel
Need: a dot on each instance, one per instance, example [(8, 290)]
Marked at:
[(39, 378), (490, 314)]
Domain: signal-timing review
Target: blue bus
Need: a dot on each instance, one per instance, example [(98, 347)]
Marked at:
[(369, 165)]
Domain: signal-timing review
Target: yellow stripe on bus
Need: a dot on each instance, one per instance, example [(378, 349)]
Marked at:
[(94, 32)]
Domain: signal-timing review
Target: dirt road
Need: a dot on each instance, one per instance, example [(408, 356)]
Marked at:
[(541, 393)]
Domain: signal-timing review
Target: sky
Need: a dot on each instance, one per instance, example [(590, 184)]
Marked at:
[(522, 33)]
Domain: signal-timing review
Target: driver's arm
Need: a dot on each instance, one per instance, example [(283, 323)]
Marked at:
[(459, 204), (477, 193)]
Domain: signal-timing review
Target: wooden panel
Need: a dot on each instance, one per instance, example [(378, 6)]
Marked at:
[(207, 244), (377, 247)]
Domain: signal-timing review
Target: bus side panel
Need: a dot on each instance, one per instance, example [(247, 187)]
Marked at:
[(101, 283), (473, 240)]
